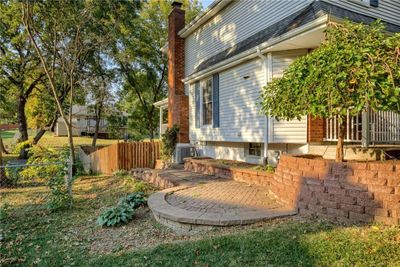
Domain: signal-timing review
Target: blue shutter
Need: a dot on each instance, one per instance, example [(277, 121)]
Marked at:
[(197, 107), (215, 95)]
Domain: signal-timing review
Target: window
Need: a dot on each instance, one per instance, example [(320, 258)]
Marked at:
[(255, 149), (206, 87), (368, 3)]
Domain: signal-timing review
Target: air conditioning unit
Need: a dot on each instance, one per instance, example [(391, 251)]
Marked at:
[(184, 151), (274, 157)]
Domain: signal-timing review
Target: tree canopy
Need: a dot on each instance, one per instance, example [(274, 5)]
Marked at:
[(357, 67)]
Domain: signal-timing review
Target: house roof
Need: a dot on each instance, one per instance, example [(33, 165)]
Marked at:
[(310, 13), (210, 11), (161, 103)]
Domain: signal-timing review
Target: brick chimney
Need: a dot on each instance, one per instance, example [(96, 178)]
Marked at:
[(178, 102)]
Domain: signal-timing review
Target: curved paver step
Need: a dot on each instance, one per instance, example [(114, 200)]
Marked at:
[(216, 203)]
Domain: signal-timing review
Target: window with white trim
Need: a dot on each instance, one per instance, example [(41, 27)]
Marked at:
[(206, 88)]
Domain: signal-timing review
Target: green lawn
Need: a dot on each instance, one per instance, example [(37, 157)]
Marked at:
[(7, 135), (54, 141), (49, 140), (72, 238)]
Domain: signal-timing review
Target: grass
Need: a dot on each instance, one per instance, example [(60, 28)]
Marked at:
[(50, 140), (287, 244), (6, 135), (71, 237)]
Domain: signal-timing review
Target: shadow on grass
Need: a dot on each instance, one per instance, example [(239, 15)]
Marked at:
[(286, 244)]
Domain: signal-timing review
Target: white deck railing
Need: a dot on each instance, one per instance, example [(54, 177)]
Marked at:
[(383, 128)]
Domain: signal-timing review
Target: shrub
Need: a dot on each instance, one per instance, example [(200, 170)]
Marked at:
[(22, 146), (134, 200), (4, 211), (54, 175), (116, 215), (120, 173), (13, 174), (267, 168), (168, 142), (123, 212)]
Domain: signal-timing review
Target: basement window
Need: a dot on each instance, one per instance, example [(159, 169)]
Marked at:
[(255, 149)]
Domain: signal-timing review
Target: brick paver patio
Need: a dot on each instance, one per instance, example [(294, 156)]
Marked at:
[(219, 202)]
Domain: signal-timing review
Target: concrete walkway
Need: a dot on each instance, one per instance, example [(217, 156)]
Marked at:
[(208, 201)]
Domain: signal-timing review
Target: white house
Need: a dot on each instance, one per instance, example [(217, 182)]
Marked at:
[(83, 123), (220, 61)]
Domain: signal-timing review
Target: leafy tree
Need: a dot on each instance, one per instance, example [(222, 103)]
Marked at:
[(71, 32), (355, 68), (116, 122), (98, 84), (20, 70), (142, 64)]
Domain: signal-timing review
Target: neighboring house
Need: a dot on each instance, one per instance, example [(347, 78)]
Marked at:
[(219, 63), (83, 123)]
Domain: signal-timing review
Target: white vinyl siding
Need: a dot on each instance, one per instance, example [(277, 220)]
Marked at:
[(388, 10), (287, 131), (244, 18), (240, 116), (241, 119), (233, 24)]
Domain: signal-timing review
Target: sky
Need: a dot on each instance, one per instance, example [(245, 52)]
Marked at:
[(206, 3)]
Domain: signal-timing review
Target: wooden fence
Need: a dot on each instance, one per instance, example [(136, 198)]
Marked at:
[(124, 156)]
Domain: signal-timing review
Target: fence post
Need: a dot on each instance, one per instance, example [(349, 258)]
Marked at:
[(365, 136)]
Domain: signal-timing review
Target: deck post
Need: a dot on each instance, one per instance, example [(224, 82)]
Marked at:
[(161, 120), (365, 135)]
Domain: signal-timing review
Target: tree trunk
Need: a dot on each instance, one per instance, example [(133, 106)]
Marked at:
[(151, 126), (340, 142), (97, 126), (21, 117), (71, 142), (4, 182), (43, 130), (22, 126), (2, 147)]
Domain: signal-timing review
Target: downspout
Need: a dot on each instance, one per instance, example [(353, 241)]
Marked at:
[(264, 60)]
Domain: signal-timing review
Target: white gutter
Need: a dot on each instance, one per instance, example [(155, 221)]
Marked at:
[(264, 60), (317, 24)]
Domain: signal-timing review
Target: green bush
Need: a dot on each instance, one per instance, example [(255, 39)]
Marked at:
[(54, 175), (18, 147), (121, 173), (134, 200), (4, 212), (123, 212), (13, 174), (267, 168), (168, 142), (116, 215)]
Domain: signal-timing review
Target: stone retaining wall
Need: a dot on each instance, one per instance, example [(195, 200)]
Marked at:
[(222, 171), (346, 192)]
